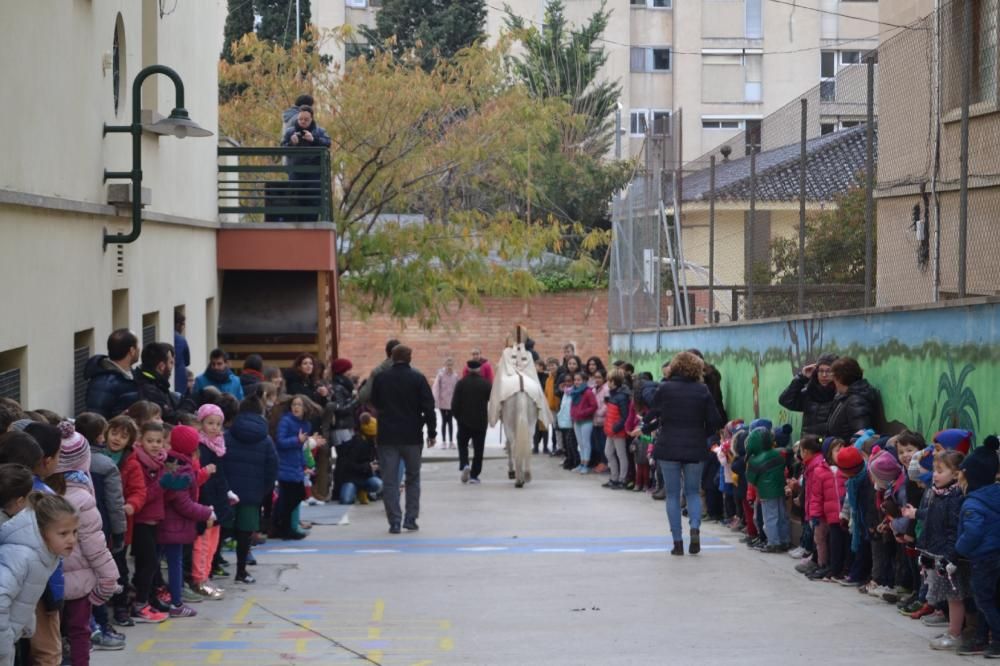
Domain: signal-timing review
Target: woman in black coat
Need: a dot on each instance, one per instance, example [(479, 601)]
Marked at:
[(305, 378), (688, 417), (856, 405), (811, 392)]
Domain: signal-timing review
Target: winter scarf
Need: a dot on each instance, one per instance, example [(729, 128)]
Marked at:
[(150, 462), (576, 393), (216, 445), (857, 511), (217, 376)]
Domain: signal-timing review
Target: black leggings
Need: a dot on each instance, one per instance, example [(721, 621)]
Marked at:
[(290, 494), (242, 550), (147, 562), (447, 429)]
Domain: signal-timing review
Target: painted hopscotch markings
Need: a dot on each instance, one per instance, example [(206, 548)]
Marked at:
[(495, 546), (287, 629)]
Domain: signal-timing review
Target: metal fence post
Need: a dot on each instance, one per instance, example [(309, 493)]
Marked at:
[(711, 240), (802, 208), (870, 185), (963, 192), (749, 234)]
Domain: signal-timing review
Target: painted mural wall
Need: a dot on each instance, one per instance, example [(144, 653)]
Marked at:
[(936, 367)]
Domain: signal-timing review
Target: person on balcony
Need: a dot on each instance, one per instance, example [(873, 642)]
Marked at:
[(306, 184)]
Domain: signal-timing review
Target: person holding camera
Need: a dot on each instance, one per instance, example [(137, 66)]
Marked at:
[(305, 183)]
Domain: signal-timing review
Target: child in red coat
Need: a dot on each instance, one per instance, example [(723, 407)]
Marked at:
[(822, 505), (120, 436), (151, 455)]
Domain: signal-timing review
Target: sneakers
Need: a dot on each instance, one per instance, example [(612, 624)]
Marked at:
[(474, 481), (600, 468), (847, 581), (182, 611), (911, 608), (208, 591), (312, 501), (946, 642), (159, 605), (935, 619), (220, 571), (122, 618), (879, 591), (971, 647), (924, 610), (147, 615), (466, 472), (797, 553), (819, 574), (246, 579), (992, 651), (807, 567), (660, 494), (189, 596), (583, 469), (107, 640)]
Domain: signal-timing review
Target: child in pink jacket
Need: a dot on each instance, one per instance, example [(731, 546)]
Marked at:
[(822, 505), (90, 571)]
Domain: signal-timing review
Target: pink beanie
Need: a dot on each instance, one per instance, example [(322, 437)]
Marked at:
[(208, 409), (74, 451), (884, 467)]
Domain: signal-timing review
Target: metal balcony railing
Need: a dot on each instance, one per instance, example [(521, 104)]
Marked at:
[(261, 185)]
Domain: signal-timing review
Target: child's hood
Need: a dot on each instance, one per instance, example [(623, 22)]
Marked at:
[(22, 530), (987, 500)]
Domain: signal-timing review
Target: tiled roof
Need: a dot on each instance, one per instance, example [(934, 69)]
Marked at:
[(834, 163)]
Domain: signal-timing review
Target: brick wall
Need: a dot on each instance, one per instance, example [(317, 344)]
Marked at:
[(551, 320)]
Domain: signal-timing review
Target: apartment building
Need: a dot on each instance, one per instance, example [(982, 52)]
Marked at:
[(726, 63)]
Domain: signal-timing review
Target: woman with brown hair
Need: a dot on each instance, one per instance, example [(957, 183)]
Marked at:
[(687, 416), (305, 377)]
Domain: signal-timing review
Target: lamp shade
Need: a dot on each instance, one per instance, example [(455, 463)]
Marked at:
[(178, 124)]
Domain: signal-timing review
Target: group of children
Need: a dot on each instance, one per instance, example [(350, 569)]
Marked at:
[(912, 524)]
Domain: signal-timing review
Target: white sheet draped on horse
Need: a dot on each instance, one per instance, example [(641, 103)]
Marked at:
[(518, 400)]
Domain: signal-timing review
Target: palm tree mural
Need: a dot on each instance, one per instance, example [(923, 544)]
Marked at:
[(960, 408)]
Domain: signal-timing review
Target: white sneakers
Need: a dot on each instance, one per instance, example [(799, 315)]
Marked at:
[(466, 472)]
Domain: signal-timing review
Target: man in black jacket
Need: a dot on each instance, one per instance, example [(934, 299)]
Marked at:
[(153, 378), (469, 407), (405, 405), (110, 383)]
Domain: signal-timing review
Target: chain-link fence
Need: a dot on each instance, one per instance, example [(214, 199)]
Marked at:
[(878, 187)]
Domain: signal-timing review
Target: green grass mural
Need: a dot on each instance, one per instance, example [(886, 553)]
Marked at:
[(935, 368)]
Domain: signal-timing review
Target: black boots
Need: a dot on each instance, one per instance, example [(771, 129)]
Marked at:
[(695, 547), (678, 548)]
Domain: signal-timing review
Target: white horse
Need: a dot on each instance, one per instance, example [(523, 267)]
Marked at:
[(518, 400)]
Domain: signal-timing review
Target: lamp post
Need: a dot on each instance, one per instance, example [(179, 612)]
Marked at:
[(178, 124)]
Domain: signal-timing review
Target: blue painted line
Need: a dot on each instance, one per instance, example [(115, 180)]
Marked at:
[(312, 543)]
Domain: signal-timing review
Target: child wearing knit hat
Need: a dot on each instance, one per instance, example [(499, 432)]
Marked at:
[(213, 491), (889, 479), (979, 541)]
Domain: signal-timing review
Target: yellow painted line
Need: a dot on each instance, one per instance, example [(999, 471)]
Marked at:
[(165, 626), (146, 645), (227, 635), (425, 662), (375, 655), (445, 624), (378, 611), (302, 644), (164, 663), (374, 632), (214, 657), (446, 644), (244, 610)]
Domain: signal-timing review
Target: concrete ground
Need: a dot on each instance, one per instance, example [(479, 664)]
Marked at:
[(560, 572)]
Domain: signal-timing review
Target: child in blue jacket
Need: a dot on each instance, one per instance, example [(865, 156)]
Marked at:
[(979, 541), (295, 434)]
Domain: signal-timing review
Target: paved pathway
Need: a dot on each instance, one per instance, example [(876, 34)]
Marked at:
[(561, 572)]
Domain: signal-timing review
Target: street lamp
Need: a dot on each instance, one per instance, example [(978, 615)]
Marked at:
[(178, 124)]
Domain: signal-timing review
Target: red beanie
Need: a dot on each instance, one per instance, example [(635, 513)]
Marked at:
[(184, 440), (850, 461), (340, 366)]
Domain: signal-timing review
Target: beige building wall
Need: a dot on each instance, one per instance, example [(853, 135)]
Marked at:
[(53, 203)]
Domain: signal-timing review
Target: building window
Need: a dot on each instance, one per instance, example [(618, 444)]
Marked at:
[(844, 124), (752, 136), (712, 124), (827, 128), (754, 19), (753, 87), (118, 77), (828, 76), (83, 346), (661, 122), (637, 120), (850, 57), (12, 373), (150, 320), (982, 49), (651, 4), (357, 4), (649, 59)]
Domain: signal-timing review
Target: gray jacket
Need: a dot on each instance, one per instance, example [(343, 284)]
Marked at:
[(25, 566), (108, 491)]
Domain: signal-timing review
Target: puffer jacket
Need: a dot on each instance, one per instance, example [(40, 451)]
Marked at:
[(687, 416), (940, 515), (251, 462), (291, 459), (602, 407), (616, 412), (133, 489), (979, 524), (822, 498), (807, 395), (110, 391), (90, 567), (215, 491), (765, 466), (107, 481), (853, 411), (25, 567), (181, 510), (152, 472), (443, 388), (230, 384), (584, 408)]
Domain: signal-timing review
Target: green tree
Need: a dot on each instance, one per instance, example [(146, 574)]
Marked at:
[(563, 61), (239, 22), (277, 20), (432, 29), (835, 245)]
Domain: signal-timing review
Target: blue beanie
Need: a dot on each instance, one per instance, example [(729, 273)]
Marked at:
[(783, 436), (863, 437), (827, 443), (761, 423)]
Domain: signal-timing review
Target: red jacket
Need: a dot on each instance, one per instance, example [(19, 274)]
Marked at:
[(152, 509), (133, 489), (616, 416), (822, 500), (486, 370), (585, 408)]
